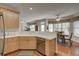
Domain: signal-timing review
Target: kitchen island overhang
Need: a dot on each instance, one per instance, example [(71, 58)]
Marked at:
[(46, 35)]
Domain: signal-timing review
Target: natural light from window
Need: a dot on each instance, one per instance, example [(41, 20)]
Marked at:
[(76, 28), (32, 27)]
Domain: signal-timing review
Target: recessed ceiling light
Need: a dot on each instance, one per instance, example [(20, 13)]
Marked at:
[(30, 8)]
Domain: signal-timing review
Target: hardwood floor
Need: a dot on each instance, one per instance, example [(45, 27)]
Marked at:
[(25, 53), (68, 51), (60, 51)]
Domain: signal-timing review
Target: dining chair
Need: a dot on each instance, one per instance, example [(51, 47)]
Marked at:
[(60, 37), (68, 39)]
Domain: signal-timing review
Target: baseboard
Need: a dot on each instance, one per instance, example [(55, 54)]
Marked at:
[(27, 49), (17, 51), (23, 50), (11, 52), (40, 53)]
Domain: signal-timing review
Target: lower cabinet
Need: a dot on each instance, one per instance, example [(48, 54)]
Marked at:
[(50, 47), (11, 44), (27, 43), (41, 45)]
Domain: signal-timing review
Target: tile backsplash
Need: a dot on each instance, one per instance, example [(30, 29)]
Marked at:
[(9, 32)]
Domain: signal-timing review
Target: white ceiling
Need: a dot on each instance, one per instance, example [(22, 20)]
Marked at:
[(43, 10)]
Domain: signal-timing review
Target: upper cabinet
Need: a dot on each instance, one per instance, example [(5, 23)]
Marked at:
[(11, 18)]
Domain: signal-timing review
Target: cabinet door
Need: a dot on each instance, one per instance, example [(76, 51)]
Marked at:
[(11, 44), (23, 43), (50, 47), (1, 23), (32, 43), (27, 43), (11, 20)]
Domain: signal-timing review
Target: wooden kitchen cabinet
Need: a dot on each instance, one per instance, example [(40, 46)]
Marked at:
[(11, 44), (50, 47), (11, 18), (27, 43), (40, 45)]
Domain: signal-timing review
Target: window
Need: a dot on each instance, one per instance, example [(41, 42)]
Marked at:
[(76, 28), (50, 27), (62, 27), (42, 27), (65, 27), (32, 27), (57, 27)]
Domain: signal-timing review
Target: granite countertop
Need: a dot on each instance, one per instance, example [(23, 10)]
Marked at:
[(46, 35)]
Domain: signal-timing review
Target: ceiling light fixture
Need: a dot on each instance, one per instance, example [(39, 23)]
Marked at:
[(58, 19), (30, 8)]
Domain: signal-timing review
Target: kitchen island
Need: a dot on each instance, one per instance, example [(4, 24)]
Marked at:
[(43, 42)]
